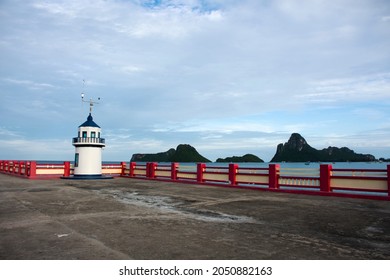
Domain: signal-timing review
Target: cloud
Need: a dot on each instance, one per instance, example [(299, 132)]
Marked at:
[(356, 89), (209, 72), (7, 133), (29, 84), (36, 149), (130, 69)]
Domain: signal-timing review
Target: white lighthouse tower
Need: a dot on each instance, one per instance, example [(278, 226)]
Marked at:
[(89, 145)]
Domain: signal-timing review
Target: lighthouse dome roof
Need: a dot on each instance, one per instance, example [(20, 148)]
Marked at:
[(89, 122)]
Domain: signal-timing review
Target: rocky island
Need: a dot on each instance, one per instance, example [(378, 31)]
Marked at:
[(298, 150), (244, 158), (183, 153)]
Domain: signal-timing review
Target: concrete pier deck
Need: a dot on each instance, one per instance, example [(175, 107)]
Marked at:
[(140, 219)]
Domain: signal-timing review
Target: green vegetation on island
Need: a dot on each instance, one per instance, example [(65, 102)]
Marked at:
[(297, 150), (183, 153), (244, 158)]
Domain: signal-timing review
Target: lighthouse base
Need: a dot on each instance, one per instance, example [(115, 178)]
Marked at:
[(87, 177)]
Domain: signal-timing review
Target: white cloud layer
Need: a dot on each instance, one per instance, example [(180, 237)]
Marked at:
[(225, 76)]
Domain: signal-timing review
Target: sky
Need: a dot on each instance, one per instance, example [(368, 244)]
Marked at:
[(228, 77)]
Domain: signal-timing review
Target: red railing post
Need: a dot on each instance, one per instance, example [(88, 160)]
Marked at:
[(147, 171), (151, 169), (388, 179), (200, 168), (123, 168), (233, 169), (22, 164), (273, 176), (32, 169), (325, 174), (66, 168), (133, 165), (174, 168), (25, 169), (16, 167), (10, 166)]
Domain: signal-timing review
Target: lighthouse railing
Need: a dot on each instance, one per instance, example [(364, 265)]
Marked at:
[(88, 140)]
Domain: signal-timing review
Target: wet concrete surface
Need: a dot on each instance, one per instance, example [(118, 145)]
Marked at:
[(141, 219)]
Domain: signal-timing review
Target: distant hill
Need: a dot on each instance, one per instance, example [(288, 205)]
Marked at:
[(158, 157), (244, 158), (183, 153), (298, 150)]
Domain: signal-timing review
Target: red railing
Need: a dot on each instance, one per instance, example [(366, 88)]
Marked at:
[(37, 170), (363, 183), (19, 168)]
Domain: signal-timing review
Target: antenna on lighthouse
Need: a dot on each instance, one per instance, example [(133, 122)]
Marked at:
[(91, 102)]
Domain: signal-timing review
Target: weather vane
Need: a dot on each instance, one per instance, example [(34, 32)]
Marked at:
[(91, 102)]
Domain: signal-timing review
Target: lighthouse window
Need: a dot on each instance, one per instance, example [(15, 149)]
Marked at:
[(84, 134), (93, 134), (98, 134), (76, 160)]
